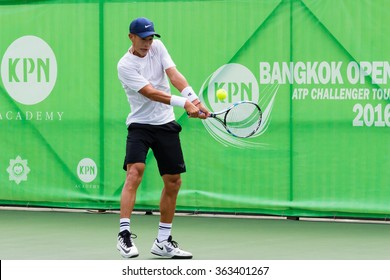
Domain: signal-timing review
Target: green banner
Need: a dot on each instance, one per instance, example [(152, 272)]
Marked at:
[(319, 69)]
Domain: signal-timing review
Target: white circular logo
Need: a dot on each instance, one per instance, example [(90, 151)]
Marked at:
[(240, 84), (237, 80), (29, 70), (87, 170)]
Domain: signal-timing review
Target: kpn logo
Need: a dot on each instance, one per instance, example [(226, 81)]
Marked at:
[(87, 170), (240, 84), (237, 80), (29, 70)]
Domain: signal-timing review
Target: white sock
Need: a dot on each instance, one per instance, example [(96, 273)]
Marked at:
[(124, 224), (164, 231)]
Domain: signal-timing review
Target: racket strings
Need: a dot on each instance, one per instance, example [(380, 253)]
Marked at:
[(243, 120)]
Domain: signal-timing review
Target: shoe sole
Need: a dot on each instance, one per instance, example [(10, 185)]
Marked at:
[(172, 257), (124, 255)]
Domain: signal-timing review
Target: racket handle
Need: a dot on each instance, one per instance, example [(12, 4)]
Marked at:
[(200, 112)]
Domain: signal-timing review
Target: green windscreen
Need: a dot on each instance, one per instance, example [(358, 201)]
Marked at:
[(319, 70)]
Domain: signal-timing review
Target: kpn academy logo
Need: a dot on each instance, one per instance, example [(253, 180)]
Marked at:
[(87, 171), (240, 84), (29, 70)]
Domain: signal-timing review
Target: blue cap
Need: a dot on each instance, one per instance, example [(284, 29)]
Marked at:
[(142, 27)]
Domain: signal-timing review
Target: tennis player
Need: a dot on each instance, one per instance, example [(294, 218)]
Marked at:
[(144, 71)]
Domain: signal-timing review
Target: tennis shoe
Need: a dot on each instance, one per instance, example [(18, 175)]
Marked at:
[(169, 249), (125, 244)]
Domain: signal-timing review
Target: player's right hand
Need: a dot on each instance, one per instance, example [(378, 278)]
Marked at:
[(203, 111), (191, 109)]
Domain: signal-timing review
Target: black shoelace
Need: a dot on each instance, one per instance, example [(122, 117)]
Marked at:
[(174, 243), (127, 236)]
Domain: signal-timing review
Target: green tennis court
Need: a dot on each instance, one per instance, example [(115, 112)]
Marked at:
[(58, 235)]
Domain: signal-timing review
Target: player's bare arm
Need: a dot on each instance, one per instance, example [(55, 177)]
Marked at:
[(180, 83), (160, 96)]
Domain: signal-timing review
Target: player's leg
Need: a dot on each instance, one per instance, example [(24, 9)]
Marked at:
[(134, 174), (137, 146), (169, 194), (125, 243), (170, 162), (164, 246), (172, 184)]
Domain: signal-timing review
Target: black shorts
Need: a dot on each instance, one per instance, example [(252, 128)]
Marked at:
[(162, 139)]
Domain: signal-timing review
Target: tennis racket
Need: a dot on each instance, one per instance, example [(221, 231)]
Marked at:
[(242, 119)]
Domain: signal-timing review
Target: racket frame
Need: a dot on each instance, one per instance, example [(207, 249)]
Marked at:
[(214, 115)]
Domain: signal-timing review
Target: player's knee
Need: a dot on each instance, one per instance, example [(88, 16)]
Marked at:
[(134, 175), (177, 183), (173, 183)]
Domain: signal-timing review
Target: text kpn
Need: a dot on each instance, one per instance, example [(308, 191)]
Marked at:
[(28, 69)]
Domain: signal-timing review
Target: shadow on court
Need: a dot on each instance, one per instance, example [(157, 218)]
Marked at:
[(56, 235)]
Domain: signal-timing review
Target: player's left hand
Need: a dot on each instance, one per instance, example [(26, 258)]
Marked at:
[(203, 112)]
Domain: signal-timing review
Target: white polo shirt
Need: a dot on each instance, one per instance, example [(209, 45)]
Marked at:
[(136, 72)]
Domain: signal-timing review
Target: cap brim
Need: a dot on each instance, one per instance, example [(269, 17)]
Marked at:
[(149, 33)]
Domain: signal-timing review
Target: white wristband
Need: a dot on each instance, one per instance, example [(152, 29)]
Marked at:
[(189, 93), (178, 101)]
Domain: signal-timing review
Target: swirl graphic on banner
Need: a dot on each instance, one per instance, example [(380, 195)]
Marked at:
[(240, 84)]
